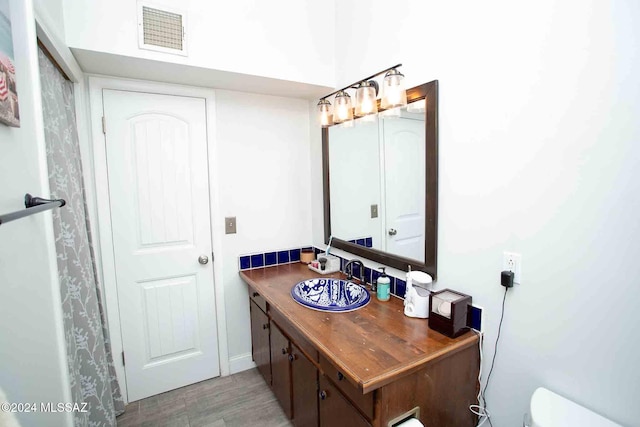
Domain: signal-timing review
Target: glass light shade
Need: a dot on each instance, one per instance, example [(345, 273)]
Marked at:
[(343, 110), (326, 113), (366, 100), (393, 90)]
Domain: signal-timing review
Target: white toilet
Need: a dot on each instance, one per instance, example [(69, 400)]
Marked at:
[(550, 410)]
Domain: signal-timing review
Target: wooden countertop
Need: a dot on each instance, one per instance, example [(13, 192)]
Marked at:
[(374, 345)]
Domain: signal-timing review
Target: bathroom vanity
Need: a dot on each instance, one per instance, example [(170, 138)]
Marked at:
[(369, 367)]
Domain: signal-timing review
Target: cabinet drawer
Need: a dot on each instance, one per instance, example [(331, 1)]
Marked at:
[(258, 299), (363, 401), (293, 333)]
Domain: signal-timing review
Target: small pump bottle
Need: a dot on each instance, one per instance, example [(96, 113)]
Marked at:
[(383, 290)]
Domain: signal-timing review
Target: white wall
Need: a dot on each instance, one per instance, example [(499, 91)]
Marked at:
[(539, 154), (32, 356), (288, 39), (262, 169), (51, 11)]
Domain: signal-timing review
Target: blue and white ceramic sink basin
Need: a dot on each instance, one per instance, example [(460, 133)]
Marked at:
[(326, 294)]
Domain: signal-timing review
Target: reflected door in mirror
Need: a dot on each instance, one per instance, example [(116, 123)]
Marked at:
[(404, 186)]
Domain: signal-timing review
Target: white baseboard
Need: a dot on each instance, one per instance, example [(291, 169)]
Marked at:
[(241, 363)]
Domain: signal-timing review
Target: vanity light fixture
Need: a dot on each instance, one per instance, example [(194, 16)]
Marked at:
[(344, 110), (326, 113), (394, 96), (366, 98)]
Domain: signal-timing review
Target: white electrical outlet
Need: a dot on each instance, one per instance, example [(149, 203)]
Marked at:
[(513, 262)]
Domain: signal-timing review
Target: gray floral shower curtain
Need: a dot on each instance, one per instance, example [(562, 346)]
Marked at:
[(91, 369)]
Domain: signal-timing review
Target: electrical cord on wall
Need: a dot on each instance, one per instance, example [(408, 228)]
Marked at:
[(481, 408)]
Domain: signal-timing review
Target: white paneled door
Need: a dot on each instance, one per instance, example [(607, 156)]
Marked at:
[(159, 196), (404, 154)]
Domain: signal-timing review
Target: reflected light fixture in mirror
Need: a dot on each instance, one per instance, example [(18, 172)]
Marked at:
[(326, 113), (370, 118), (417, 106), (391, 113), (343, 110), (394, 94)]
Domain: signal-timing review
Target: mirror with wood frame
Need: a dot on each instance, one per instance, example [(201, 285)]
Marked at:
[(380, 182)]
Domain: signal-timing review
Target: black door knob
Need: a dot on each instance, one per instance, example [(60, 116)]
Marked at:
[(322, 395)]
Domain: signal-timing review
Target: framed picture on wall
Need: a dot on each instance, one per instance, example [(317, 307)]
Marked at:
[(9, 107)]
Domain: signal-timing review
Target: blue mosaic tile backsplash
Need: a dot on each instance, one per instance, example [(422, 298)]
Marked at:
[(367, 242), (267, 259), (474, 319), (398, 286)]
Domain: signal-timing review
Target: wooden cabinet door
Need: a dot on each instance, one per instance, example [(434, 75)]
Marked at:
[(304, 382), (335, 410), (281, 369), (260, 341)]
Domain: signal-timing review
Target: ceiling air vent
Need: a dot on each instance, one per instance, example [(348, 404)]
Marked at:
[(161, 30)]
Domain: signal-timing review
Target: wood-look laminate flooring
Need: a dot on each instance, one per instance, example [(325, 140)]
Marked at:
[(243, 399)]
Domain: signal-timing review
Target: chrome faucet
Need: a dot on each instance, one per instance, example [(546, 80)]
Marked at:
[(349, 271)]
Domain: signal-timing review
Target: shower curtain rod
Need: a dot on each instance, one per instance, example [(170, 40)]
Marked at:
[(33, 205)]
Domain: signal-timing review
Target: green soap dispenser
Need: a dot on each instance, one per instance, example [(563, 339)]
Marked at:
[(383, 290)]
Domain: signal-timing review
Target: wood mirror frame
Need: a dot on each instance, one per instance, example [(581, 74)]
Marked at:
[(428, 91)]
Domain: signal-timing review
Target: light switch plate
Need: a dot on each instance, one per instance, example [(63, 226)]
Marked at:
[(230, 225), (374, 211)]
